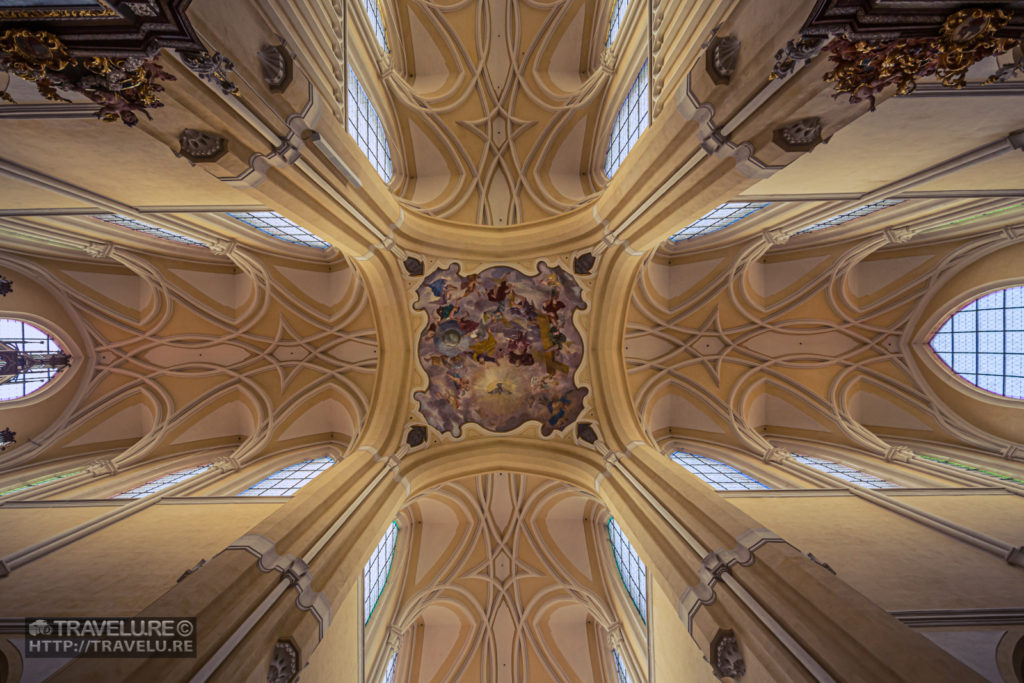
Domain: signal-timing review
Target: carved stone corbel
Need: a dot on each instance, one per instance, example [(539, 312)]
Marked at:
[(899, 454), (799, 136), (721, 57), (776, 455), (276, 65), (200, 146), (726, 658), (284, 665)]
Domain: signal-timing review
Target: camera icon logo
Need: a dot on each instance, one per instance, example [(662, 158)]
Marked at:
[(40, 627)]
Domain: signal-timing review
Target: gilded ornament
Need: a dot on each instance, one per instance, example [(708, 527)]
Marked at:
[(121, 86), (864, 68)]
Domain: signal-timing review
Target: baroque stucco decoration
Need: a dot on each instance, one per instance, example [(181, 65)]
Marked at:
[(500, 348)]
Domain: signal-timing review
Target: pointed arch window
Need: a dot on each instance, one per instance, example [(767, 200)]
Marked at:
[(630, 122), (375, 13), (983, 342), (631, 568), (620, 668), (286, 481), (29, 358), (846, 473), (376, 571), (365, 126), (163, 482), (389, 672), (721, 476), (618, 14)]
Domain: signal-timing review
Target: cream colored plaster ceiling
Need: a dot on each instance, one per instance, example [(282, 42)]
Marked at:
[(172, 355), (906, 135), (507, 580), (814, 344), (116, 162), (499, 108)]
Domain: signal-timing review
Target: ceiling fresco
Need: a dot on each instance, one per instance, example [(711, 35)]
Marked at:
[(500, 348)]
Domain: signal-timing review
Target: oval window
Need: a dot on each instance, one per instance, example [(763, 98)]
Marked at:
[(29, 358), (983, 342)]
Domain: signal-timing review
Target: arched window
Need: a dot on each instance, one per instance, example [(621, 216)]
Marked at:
[(364, 125), (630, 122), (722, 477), (618, 13), (620, 668), (163, 482), (389, 672), (983, 342), (376, 16), (846, 473), (285, 482), (716, 219), (29, 358), (375, 573), (631, 569), (277, 226)]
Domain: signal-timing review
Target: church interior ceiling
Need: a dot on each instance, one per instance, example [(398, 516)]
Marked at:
[(232, 280)]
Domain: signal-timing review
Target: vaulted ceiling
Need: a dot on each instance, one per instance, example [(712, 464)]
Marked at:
[(500, 106)]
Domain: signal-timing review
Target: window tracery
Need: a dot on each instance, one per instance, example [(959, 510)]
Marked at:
[(389, 672), (376, 571), (983, 342), (375, 14), (618, 14), (29, 359), (631, 569), (365, 126), (846, 472), (719, 475), (163, 482), (146, 228), (288, 480), (851, 215), (620, 668), (279, 227), (630, 122), (716, 219)]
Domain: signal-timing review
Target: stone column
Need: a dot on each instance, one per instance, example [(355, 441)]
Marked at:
[(753, 603)]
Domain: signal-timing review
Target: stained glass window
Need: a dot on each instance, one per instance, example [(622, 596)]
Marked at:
[(618, 14), (376, 17), (287, 481), (722, 477), (850, 215), (630, 122), (36, 482), (365, 126), (846, 473), (969, 468), (276, 225), (715, 220), (983, 342), (139, 226), (389, 673), (631, 569), (620, 668), (375, 573), (29, 358), (163, 482)]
